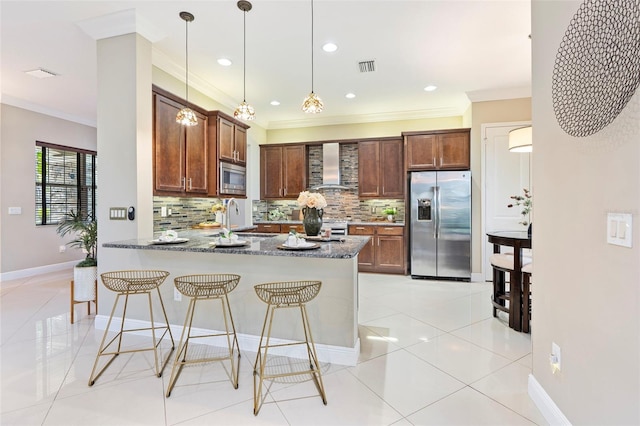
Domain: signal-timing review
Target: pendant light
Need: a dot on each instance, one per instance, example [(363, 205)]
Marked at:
[(186, 116), (312, 103), (244, 110)]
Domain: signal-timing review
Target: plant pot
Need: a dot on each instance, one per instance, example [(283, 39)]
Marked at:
[(390, 218), (84, 279)]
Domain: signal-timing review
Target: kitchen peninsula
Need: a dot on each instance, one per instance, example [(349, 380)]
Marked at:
[(333, 313)]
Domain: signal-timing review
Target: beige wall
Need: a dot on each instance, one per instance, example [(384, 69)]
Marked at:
[(586, 293), (24, 245)]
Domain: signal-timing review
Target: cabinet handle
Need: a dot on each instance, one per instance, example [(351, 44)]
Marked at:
[(434, 161), (190, 184), (284, 191), (184, 183), (441, 160), (359, 227)]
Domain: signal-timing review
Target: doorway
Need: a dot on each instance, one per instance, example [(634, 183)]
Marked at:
[(505, 174)]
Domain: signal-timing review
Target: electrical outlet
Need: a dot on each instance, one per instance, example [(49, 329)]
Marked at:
[(163, 211), (177, 296), (555, 359), (62, 249)]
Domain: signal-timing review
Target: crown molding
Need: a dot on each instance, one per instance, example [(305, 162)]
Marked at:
[(120, 23), (499, 94)]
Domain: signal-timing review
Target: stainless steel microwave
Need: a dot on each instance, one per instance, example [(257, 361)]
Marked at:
[(233, 179)]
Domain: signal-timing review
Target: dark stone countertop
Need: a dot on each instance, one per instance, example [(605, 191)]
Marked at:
[(257, 244)]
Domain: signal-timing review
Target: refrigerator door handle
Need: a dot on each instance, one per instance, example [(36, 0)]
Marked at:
[(436, 222)]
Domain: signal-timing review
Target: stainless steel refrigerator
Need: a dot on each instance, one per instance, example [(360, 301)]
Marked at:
[(440, 224)]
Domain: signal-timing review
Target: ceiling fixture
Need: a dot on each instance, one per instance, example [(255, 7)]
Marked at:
[(312, 103), (430, 88), (244, 110), (520, 140), (41, 73), (186, 116), (329, 47), (225, 62), (275, 103), (350, 95)]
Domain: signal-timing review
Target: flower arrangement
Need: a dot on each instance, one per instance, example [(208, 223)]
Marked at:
[(312, 200), (390, 211), (218, 208), (526, 202)]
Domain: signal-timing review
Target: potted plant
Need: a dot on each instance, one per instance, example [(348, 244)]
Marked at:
[(85, 273), (391, 213), (524, 201)]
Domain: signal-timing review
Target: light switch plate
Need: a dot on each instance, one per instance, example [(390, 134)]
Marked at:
[(619, 229), (118, 213), (15, 210)]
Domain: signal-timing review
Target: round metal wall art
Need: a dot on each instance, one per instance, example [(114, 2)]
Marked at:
[(597, 66)]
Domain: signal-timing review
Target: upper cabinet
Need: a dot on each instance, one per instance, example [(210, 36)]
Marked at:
[(186, 158), (283, 171), (232, 138), (179, 152), (438, 150), (381, 168)]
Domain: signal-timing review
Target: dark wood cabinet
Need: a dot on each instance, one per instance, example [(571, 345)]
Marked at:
[(283, 171), (385, 251), (270, 228), (381, 168), (180, 153), (232, 140), (438, 150)]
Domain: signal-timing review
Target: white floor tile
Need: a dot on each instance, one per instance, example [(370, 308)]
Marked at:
[(402, 330), (491, 334)]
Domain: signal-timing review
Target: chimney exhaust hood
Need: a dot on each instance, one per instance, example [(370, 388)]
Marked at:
[(330, 167)]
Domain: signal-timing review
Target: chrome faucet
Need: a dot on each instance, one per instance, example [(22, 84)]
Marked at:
[(228, 215)]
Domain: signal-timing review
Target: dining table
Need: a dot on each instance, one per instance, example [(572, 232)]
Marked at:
[(519, 240)]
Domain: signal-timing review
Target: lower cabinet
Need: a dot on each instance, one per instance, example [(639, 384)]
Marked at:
[(278, 228), (385, 251)]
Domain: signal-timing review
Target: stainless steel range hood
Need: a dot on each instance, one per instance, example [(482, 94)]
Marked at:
[(330, 167)]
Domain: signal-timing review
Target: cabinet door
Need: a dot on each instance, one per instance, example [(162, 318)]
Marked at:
[(366, 257), (421, 151), (454, 151), (294, 170), (197, 157), (226, 137), (240, 144), (369, 168), (168, 147), (390, 254), (392, 176), (270, 172)]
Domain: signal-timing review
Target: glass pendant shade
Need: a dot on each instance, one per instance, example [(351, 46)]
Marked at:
[(312, 104), (521, 140), (187, 117), (244, 112)]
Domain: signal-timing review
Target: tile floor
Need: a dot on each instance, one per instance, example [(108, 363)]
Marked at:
[(432, 354)]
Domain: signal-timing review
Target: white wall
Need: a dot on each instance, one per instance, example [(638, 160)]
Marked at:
[(586, 293), (23, 245)]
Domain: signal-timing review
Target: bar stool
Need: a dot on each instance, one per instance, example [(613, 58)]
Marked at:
[(527, 270), (502, 263), (129, 283), (199, 288), (279, 295)]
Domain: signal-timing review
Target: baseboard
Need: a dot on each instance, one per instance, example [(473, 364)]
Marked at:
[(545, 404), (326, 353), (30, 272)]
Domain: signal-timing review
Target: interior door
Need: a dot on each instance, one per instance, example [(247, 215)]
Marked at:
[(505, 174)]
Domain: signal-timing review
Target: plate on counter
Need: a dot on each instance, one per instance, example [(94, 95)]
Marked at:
[(304, 246), (238, 243), (176, 241)]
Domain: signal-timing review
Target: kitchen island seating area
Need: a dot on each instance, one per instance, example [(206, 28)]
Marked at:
[(126, 284), (285, 295), (213, 288)]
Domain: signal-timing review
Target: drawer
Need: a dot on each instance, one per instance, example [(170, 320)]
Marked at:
[(361, 230), (284, 228), (390, 230), (274, 228)]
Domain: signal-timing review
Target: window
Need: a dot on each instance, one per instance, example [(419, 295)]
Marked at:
[(65, 181)]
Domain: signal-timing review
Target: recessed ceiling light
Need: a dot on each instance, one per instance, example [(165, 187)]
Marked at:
[(430, 88), (329, 47), (350, 95), (41, 73), (275, 103), (224, 62)]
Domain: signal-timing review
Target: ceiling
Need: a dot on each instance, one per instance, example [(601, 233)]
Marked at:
[(471, 50)]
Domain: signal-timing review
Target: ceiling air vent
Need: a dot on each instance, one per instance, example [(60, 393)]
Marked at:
[(367, 66)]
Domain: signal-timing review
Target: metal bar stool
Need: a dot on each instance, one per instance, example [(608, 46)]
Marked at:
[(128, 283), (199, 288), (277, 295)]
